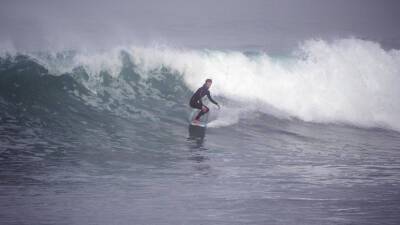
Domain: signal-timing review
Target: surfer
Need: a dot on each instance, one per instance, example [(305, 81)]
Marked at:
[(195, 101)]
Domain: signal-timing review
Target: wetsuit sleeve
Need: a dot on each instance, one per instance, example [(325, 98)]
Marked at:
[(209, 97)]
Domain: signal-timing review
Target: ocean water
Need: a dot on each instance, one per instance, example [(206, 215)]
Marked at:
[(102, 137)]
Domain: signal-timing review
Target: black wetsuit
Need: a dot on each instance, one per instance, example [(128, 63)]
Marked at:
[(195, 101)]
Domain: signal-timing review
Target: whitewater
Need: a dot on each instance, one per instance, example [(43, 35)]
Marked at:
[(102, 136)]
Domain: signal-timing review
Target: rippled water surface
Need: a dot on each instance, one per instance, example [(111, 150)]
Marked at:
[(119, 172)]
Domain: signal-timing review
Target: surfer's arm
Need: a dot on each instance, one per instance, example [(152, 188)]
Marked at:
[(212, 100)]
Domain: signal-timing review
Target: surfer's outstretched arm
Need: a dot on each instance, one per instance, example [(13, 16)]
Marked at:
[(212, 100)]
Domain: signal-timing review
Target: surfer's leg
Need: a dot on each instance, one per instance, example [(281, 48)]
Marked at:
[(199, 115), (196, 105), (202, 112)]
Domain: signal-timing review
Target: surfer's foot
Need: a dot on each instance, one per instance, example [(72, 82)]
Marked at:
[(196, 121)]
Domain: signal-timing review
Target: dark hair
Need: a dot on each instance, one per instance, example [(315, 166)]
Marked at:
[(208, 80)]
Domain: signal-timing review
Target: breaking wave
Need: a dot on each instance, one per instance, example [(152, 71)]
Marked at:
[(348, 81)]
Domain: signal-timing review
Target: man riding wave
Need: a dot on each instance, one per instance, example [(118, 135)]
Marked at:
[(195, 100)]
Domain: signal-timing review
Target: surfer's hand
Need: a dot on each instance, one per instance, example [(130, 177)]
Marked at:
[(204, 109)]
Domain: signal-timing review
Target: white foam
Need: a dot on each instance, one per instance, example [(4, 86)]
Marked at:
[(346, 81), (226, 116)]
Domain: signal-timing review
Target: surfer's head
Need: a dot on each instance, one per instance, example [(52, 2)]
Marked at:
[(208, 83)]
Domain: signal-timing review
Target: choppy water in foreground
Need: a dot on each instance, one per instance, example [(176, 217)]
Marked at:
[(68, 156), (278, 173)]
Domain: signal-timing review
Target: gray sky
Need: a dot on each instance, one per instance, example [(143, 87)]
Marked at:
[(275, 25)]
